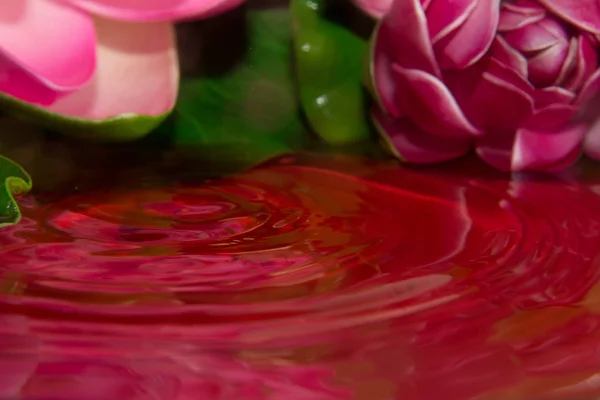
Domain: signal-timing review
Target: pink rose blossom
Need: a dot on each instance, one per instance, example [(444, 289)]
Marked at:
[(505, 78)]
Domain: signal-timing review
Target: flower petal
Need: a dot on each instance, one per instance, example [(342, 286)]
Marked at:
[(588, 99), (154, 10), (519, 14), (444, 17), (375, 8), (569, 64), (509, 56), (428, 102), (546, 65), (37, 65), (405, 30), (584, 14), (589, 88), (537, 37), (501, 101), (548, 141), (552, 95), (137, 73), (382, 75), (467, 44), (496, 150), (586, 63), (413, 145)]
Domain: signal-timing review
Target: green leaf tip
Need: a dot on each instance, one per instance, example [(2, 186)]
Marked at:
[(14, 181)]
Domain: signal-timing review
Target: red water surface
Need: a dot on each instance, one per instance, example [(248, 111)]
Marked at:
[(308, 277)]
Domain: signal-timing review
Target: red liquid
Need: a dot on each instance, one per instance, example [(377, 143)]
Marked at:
[(308, 278)]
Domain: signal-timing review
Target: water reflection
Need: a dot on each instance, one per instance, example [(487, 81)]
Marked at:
[(307, 278)]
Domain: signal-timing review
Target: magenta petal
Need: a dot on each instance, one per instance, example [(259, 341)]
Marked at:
[(154, 10), (137, 73), (586, 63), (496, 150), (590, 89), (546, 65), (516, 15), (502, 100), (584, 14), (508, 56), (548, 140), (588, 100), (429, 103), (568, 65), (537, 37), (467, 44), (528, 7), (443, 18), (382, 75), (552, 95), (375, 8), (405, 30), (37, 64), (413, 145)]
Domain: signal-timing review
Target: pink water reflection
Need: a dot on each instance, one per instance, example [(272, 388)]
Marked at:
[(308, 278)]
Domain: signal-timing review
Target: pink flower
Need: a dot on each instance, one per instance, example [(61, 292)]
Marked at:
[(94, 59), (505, 78)]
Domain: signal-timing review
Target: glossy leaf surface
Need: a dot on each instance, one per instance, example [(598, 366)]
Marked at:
[(329, 70)]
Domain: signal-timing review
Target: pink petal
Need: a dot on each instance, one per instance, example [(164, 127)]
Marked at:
[(154, 10), (508, 56), (586, 64), (468, 43), (568, 65), (382, 75), (529, 7), (584, 14), (414, 145), (444, 17), (501, 101), (546, 65), (588, 100), (430, 105), (37, 65), (590, 89), (137, 73), (548, 141), (517, 15), (405, 30), (496, 150), (375, 8), (552, 95), (537, 37)]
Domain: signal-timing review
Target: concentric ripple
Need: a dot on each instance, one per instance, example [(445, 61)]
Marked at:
[(483, 282)]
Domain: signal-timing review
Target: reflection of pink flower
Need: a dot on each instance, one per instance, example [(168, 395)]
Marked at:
[(158, 377), (34, 368), (505, 78), (94, 58), (18, 357)]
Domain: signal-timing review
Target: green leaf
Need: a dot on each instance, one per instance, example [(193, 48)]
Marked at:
[(14, 180), (250, 112), (330, 69)]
